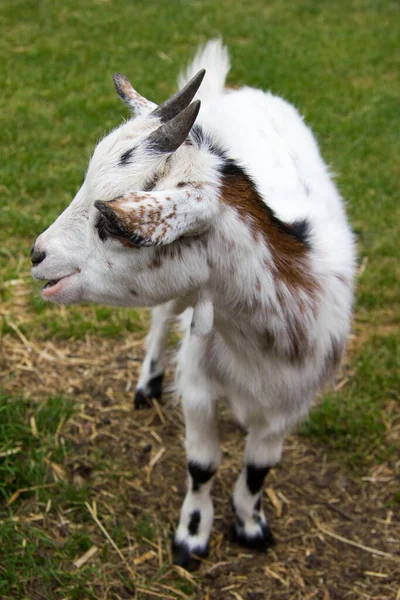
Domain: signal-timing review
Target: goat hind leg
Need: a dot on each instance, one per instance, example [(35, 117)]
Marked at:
[(152, 370), (263, 451)]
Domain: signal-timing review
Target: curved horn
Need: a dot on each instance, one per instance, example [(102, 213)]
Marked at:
[(179, 101), (172, 134)]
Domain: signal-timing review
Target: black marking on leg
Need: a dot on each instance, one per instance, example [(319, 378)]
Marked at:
[(153, 389), (142, 400), (199, 474), (187, 558), (194, 522), (257, 505), (262, 541), (255, 477), (155, 386), (239, 520)]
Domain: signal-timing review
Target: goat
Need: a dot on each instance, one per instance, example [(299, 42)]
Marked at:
[(234, 223)]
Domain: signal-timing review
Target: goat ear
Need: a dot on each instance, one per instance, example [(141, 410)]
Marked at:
[(117, 224), (157, 217), (168, 137), (139, 104)]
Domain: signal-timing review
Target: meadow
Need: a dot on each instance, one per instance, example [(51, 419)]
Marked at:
[(89, 489)]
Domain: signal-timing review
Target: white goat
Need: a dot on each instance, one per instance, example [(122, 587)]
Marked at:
[(236, 221)]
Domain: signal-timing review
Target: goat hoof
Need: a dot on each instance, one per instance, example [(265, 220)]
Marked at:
[(186, 558), (142, 400), (153, 389), (261, 540)]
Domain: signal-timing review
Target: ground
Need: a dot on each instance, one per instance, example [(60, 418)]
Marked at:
[(113, 471), (90, 489)]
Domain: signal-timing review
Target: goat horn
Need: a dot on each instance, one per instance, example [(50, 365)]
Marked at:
[(172, 134), (179, 101)]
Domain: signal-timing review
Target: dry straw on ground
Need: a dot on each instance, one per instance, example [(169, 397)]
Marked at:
[(337, 535)]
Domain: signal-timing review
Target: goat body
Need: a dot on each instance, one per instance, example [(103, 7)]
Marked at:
[(235, 224)]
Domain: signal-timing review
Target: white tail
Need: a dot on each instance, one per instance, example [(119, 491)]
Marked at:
[(214, 58)]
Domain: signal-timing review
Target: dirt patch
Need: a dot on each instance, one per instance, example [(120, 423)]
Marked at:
[(337, 536)]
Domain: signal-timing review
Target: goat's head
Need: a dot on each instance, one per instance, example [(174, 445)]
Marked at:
[(146, 187)]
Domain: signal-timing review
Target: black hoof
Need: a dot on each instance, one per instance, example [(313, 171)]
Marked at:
[(141, 400), (261, 542), (185, 558), (153, 389)]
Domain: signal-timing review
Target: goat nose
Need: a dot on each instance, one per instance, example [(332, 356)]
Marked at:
[(37, 256)]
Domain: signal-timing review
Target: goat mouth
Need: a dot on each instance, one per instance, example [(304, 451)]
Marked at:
[(54, 287), (51, 283)]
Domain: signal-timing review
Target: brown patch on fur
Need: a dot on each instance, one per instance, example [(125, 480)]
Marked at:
[(296, 310), (298, 339), (126, 242), (142, 221), (290, 264), (134, 197), (156, 262), (126, 87), (169, 252), (289, 254), (295, 345), (268, 340), (172, 213)]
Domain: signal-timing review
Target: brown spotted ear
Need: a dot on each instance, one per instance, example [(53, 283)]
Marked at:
[(139, 104), (156, 217), (118, 224)]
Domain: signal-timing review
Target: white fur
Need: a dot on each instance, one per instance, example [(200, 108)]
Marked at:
[(215, 282)]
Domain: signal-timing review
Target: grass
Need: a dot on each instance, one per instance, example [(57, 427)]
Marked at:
[(32, 446), (31, 474), (337, 61), (352, 424)]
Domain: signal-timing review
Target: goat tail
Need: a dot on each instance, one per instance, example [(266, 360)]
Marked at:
[(213, 57)]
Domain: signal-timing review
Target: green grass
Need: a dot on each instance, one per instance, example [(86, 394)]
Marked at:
[(26, 465), (353, 423), (33, 555), (337, 61)]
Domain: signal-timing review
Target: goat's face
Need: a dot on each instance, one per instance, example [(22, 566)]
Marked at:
[(103, 247)]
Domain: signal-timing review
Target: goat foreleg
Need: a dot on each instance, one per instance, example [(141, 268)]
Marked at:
[(203, 459)]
